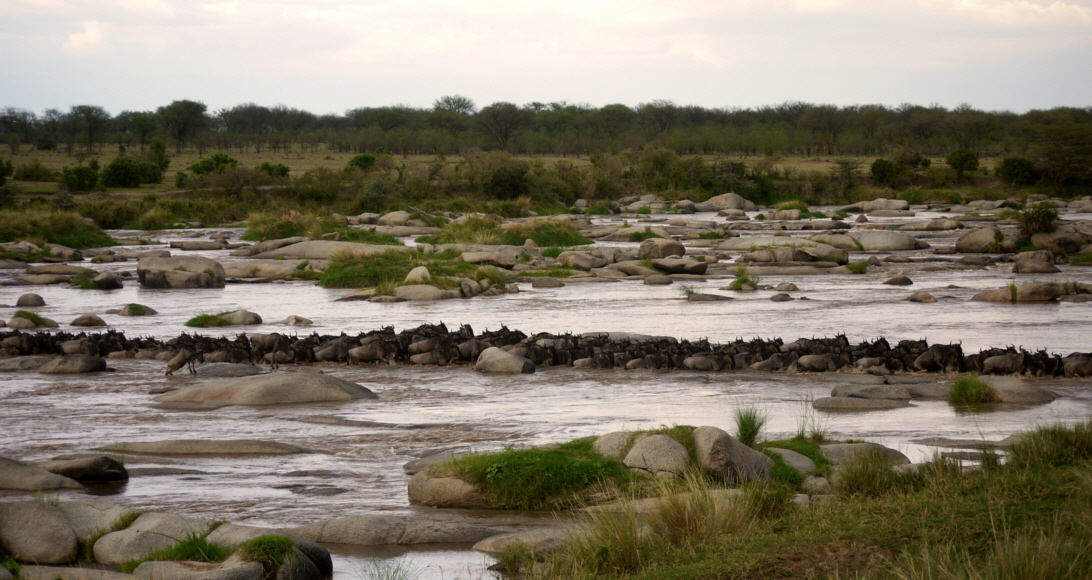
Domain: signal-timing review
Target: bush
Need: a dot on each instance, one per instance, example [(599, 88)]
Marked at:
[(157, 155), (123, 172), (79, 178), (34, 171), (1037, 219), (6, 169), (273, 169), (884, 172), (364, 162), (214, 164), (508, 182), (1017, 171), (969, 389), (270, 226), (869, 474), (962, 160)]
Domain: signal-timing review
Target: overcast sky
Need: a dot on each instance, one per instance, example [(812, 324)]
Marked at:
[(327, 56)]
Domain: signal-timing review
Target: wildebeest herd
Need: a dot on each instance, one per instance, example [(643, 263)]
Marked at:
[(435, 344)]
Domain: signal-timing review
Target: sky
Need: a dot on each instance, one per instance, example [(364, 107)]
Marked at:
[(328, 56)]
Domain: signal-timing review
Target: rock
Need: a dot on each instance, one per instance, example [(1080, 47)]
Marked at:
[(1034, 267), (418, 275), (580, 260), (294, 320), (88, 469), (729, 201), (495, 360), (659, 455), (539, 540), (1014, 390), (1036, 256), (242, 318), (817, 485), (29, 301), (886, 241), (680, 266), (90, 518), (379, 530), (612, 444), (787, 287), (20, 323), (37, 533), (890, 392), (899, 281), (395, 218), (838, 453), (979, 241), (448, 492), (24, 363), (209, 447), (502, 259), (266, 268), (932, 226), (700, 297), (546, 282), (136, 310), (1038, 292), (270, 389), (180, 272), (323, 249), (922, 296), (68, 573), (88, 320), (722, 455), (657, 280), (108, 281), (233, 568), (1001, 295), (15, 474), (653, 248), (856, 404), (423, 292), (929, 390), (73, 363), (797, 461)]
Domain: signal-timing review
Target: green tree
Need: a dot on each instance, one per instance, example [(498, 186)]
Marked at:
[(142, 124), (364, 162), (157, 154), (181, 120), (122, 172), (213, 164), (962, 160), (457, 104), (1064, 153), (91, 121), (79, 178), (1017, 171)]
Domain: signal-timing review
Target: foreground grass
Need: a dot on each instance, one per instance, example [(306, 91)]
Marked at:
[(1028, 518)]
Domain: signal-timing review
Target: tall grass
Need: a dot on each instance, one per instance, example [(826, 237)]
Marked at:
[(692, 516), (750, 421), (743, 278), (41, 227), (1053, 445), (969, 389)]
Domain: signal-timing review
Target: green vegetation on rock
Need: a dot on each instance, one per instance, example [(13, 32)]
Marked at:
[(969, 389), (209, 320)]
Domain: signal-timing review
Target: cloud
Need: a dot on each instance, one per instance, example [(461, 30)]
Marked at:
[(89, 42)]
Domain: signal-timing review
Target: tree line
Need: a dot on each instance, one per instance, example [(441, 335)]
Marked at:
[(455, 125)]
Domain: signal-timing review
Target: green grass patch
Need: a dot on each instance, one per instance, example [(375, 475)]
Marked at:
[(42, 227), (969, 389), (1081, 259), (85, 280), (750, 421), (1053, 445), (391, 269), (539, 479), (858, 267), (270, 550), (209, 320), (10, 564), (742, 278), (642, 236), (483, 230), (194, 548), (30, 316), (710, 235)]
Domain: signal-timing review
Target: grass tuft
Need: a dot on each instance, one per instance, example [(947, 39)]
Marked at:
[(743, 278), (194, 548), (642, 236), (270, 550), (85, 280), (30, 316), (209, 320), (969, 389), (750, 420), (1053, 445), (692, 515)]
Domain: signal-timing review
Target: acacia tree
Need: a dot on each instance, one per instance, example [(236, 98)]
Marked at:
[(500, 121), (181, 120), (91, 121)]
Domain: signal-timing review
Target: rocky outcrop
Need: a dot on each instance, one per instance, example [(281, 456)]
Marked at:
[(269, 389), (653, 248), (180, 272), (443, 491), (979, 241), (1014, 390)]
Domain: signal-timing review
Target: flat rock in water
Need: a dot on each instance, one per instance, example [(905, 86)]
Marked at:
[(322, 249), (1014, 390), (856, 404), (961, 443), (228, 370), (891, 392), (211, 447), (377, 530), (269, 389), (849, 378), (234, 568), (15, 474), (838, 453), (930, 390), (73, 364), (88, 469), (24, 363), (546, 282), (539, 540)]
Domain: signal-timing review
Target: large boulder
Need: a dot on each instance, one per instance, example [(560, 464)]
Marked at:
[(242, 318), (886, 241), (151, 532), (24, 363), (108, 281), (660, 248), (380, 530), (495, 360), (90, 320), (90, 518), (418, 275), (612, 444), (727, 201), (72, 364), (424, 292), (1015, 390), (979, 241), (442, 491), (180, 272), (680, 266), (270, 389), (37, 533), (722, 455), (88, 469), (546, 282), (29, 301), (1038, 292), (857, 404), (659, 455), (15, 474), (797, 461), (233, 568), (581, 260), (1034, 267)]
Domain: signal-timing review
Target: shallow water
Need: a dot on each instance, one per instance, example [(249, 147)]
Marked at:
[(355, 470)]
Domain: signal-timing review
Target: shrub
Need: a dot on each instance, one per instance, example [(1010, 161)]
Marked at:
[(971, 389), (6, 169), (79, 178), (1017, 171), (532, 479), (273, 169), (785, 205), (269, 550), (767, 499), (33, 171), (364, 162), (545, 232), (1037, 219), (742, 278), (884, 172), (123, 172), (869, 474), (1053, 445), (57, 227), (962, 160), (214, 164), (270, 226), (750, 421), (508, 182), (157, 155)]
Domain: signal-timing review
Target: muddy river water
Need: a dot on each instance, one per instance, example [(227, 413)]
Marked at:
[(356, 469)]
